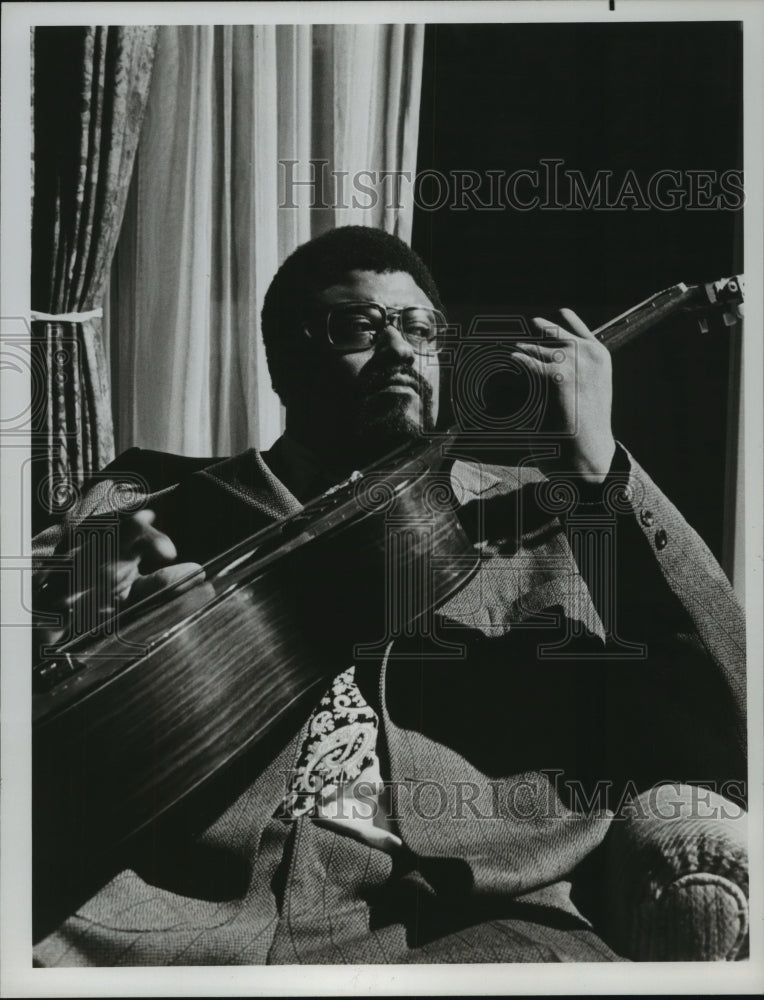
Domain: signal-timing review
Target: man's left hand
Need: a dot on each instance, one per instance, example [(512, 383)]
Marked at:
[(576, 373)]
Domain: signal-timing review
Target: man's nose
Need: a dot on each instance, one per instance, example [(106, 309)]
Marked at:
[(393, 342)]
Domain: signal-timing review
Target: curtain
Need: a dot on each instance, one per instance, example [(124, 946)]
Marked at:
[(207, 222), (90, 86)]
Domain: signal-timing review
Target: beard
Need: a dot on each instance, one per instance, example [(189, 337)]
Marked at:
[(383, 421)]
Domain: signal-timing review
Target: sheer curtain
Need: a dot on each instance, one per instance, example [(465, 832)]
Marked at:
[(203, 232)]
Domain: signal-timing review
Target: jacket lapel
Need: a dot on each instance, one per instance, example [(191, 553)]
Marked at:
[(217, 507), (248, 478)]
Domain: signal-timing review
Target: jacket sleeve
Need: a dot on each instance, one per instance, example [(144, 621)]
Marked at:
[(669, 595), (99, 496)]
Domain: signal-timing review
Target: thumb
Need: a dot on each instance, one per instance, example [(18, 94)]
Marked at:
[(148, 545), (181, 578)]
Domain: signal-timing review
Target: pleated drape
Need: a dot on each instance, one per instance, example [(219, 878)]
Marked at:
[(204, 232), (90, 86)]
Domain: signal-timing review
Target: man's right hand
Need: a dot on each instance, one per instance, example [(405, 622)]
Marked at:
[(99, 583)]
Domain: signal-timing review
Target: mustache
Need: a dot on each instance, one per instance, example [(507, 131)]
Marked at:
[(371, 381)]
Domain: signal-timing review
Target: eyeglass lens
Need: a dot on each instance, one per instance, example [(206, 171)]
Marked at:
[(355, 327)]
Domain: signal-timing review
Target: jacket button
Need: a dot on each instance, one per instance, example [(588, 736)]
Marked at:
[(647, 518), (661, 539)]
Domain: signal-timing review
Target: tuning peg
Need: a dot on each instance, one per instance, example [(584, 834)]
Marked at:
[(703, 324), (729, 317)]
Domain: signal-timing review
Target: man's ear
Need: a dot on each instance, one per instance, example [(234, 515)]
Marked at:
[(305, 359)]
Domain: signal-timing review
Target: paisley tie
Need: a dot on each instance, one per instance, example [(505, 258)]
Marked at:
[(340, 744)]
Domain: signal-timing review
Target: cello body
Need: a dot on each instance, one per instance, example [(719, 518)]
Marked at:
[(147, 711)]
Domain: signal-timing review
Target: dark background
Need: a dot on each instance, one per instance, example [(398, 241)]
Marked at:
[(645, 97)]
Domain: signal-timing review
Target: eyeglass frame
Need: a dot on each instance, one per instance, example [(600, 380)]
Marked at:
[(388, 317)]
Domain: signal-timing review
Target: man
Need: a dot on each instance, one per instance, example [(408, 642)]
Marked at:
[(430, 808)]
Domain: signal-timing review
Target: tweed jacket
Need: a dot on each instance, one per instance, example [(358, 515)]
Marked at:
[(581, 684)]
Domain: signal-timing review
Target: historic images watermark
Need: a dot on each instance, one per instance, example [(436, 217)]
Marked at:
[(549, 185), (547, 794)]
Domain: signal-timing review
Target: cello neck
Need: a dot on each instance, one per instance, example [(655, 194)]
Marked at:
[(725, 294)]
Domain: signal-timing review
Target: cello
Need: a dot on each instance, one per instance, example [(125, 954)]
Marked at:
[(133, 717)]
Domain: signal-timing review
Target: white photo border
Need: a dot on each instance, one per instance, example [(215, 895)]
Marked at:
[(17, 977)]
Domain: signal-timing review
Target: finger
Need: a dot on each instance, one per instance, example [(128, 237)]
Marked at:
[(552, 331), (141, 518), (128, 527), (87, 608), (103, 584), (181, 578), (154, 548), (122, 571), (140, 540), (527, 358), (120, 577), (136, 532), (550, 355), (63, 589), (576, 324), (95, 532), (105, 561)]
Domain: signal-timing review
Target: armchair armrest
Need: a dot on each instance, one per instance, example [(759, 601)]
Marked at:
[(677, 877)]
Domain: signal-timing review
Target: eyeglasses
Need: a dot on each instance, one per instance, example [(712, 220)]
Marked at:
[(356, 326)]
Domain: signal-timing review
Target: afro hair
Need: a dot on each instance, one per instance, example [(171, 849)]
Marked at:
[(317, 265)]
